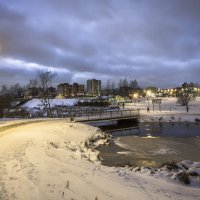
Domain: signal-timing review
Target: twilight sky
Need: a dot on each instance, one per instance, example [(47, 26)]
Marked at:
[(156, 42)]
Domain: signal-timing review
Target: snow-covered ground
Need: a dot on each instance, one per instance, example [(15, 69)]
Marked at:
[(36, 103), (170, 110), (55, 159)]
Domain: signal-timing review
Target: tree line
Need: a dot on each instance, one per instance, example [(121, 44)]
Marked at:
[(123, 87), (11, 96)]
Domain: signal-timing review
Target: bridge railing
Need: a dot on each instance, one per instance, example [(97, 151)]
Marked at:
[(108, 114)]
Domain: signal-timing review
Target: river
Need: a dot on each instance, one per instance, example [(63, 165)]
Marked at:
[(151, 144)]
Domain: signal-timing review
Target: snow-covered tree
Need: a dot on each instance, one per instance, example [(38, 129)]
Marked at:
[(185, 95)]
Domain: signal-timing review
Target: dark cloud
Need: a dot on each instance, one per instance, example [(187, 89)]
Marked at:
[(157, 42)]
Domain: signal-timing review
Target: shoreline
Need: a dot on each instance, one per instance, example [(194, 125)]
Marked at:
[(192, 177), (170, 117), (39, 160)]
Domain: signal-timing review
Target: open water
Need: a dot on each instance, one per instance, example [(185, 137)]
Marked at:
[(151, 144)]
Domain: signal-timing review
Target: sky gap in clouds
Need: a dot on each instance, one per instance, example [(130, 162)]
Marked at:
[(154, 41)]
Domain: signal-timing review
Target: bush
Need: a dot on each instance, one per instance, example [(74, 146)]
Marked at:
[(170, 165), (184, 178), (197, 120), (94, 103)]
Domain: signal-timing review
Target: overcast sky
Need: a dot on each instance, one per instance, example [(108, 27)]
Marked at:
[(156, 42)]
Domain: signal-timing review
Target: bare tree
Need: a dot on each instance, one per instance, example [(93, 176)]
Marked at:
[(33, 83), (6, 101), (32, 88), (108, 87), (44, 82), (184, 96), (133, 84), (123, 87), (17, 90), (113, 88)]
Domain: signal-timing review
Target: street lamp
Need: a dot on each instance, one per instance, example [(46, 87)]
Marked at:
[(135, 96), (148, 95), (148, 92)]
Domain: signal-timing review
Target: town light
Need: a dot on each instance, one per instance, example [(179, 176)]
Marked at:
[(135, 95), (149, 93)]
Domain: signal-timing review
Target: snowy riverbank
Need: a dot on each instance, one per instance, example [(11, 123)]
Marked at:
[(170, 111), (55, 159), (169, 117)]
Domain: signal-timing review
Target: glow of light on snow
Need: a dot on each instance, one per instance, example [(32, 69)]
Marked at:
[(149, 137)]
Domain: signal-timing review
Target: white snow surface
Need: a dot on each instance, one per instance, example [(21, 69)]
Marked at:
[(36, 103), (171, 111), (48, 160)]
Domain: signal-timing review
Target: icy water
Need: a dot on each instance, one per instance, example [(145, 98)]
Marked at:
[(152, 144)]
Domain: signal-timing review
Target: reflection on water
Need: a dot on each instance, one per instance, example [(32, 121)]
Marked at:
[(152, 144), (155, 129)]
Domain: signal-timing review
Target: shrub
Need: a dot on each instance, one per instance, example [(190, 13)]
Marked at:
[(197, 120), (184, 178), (171, 165)]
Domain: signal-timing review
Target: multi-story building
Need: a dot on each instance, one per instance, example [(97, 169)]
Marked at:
[(75, 89), (32, 92), (51, 92), (38, 92), (67, 90), (93, 87), (81, 90), (64, 90)]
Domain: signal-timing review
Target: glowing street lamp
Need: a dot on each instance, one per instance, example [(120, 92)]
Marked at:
[(148, 95), (135, 96)]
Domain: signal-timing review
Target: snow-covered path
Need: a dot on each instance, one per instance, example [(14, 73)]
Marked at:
[(48, 160)]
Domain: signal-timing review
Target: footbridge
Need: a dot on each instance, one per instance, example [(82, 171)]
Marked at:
[(108, 115)]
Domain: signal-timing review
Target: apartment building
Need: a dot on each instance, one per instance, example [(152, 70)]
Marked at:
[(93, 87)]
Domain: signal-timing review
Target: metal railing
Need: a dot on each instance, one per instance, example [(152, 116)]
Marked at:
[(108, 114)]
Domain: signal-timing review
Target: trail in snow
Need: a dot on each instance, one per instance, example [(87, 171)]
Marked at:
[(48, 161)]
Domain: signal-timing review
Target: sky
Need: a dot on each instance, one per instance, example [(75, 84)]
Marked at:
[(156, 42)]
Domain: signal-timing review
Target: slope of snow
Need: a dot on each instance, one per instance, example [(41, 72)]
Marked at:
[(36, 103), (49, 160)]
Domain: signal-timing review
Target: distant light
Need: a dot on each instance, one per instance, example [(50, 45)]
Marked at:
[(135, 95), (149, 136), (149, 93)]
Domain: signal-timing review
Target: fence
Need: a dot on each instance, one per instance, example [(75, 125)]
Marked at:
[(108, 114)]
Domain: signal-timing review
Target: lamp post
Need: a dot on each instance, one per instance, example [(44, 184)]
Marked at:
[(148, 95), (135, 96)]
